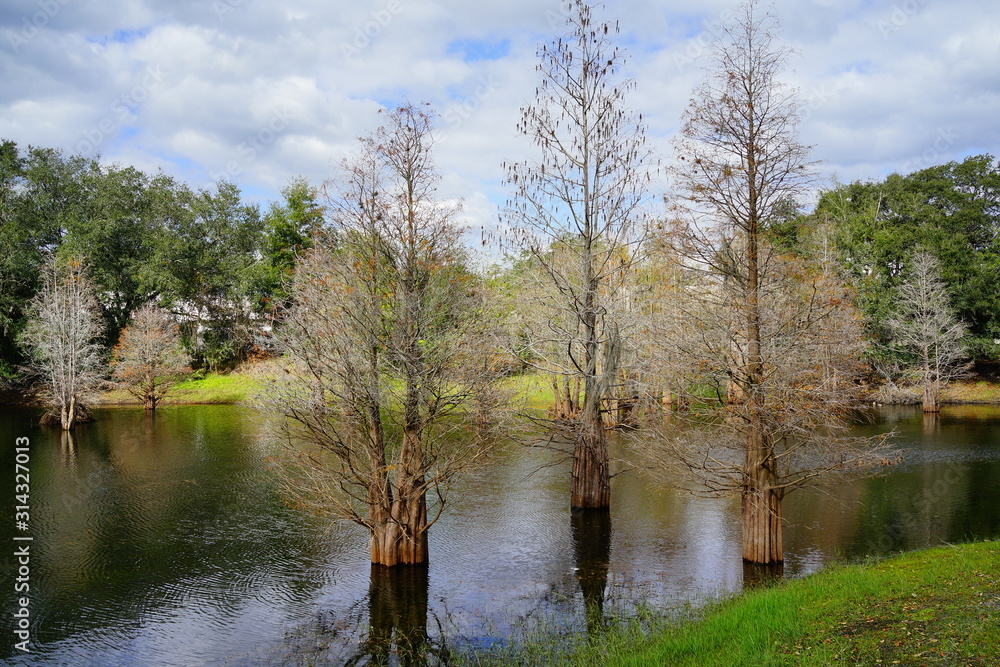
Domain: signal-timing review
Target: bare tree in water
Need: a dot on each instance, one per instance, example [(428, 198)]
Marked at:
[(62, 337), (771, 340), (925, 326), (388, 344), (576, 211), (149, 359)]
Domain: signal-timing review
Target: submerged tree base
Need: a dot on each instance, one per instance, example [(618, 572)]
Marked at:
[(54, 418)]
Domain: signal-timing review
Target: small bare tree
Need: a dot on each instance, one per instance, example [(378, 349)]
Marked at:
[(149, 359), (925, 325), (577, 213), (386, 343), (62, 335), (771, 342)]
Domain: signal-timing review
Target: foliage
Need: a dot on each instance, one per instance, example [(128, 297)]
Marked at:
[(208, 248), (289, 230), (39, 193), (146, 238), (149, 359), (951, 211), (116, 230), (61, 336), (771, 334)]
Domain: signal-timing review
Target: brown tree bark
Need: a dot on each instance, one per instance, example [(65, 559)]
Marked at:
[(930, 402), (591, 486), (761, 506)]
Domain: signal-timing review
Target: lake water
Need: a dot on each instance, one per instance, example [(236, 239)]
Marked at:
[(164, 541)]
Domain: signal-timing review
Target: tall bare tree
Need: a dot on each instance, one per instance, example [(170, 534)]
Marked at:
[(149, 359), (62, 337), (386, 343), (926, 326), (772, 339), (577, 212)]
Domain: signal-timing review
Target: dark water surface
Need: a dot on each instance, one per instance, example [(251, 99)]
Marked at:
[(164, 541)]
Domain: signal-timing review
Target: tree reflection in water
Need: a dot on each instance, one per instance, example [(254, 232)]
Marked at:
[(592, 553), (397, 616), (762, 575)]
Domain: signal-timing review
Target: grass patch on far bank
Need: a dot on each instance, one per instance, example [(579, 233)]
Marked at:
[(979, 391), (934, 607), (214, 388), (532, 391)]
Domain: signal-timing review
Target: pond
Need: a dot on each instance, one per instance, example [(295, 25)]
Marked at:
[(165, 541)]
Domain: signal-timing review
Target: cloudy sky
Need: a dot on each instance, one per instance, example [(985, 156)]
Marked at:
[(260, 91)]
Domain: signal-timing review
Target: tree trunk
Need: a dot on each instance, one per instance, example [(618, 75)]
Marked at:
[(401, 537), (761, 506), (930, 400), (398, 540), (68, 416), (591, 487)]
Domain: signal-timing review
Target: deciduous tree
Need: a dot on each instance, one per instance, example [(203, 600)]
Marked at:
[(926, 327), (577, 211), (770, 340), (386, 343), (149, 359), (62, 337)]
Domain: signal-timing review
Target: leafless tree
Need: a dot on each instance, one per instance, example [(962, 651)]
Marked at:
[(771, 340), (388, 348), (926, 326), (62, 335), (577, 211), (149, 359)]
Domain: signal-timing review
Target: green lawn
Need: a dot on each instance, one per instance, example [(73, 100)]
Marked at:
[(215, 388), (934, 607)]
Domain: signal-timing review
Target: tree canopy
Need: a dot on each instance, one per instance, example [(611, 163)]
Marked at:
[(951, 211)]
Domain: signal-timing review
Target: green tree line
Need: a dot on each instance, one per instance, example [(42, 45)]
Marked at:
[(950, 211), (216, 262)]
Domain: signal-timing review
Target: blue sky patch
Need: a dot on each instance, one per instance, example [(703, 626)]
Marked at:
[(474, 50), (120, 37)]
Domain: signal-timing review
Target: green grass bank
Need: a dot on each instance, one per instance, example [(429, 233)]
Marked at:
[(210, 388), (529, 391), (927, 608)]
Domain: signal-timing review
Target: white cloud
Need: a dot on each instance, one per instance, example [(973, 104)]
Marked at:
[(279, 89)]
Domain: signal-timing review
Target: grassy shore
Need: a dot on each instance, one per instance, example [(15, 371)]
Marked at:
[(935, 607), (530, 391), (209, 388)]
